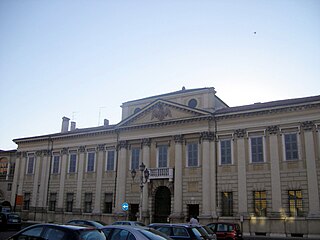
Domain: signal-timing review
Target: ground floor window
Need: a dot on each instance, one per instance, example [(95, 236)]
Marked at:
[(295, 203), (107, 206), (88, 202), (260, 203), (52, 201), (69, 207), (26, 201), (227, 203)]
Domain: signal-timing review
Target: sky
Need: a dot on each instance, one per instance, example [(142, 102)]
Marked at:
[(82, 59)]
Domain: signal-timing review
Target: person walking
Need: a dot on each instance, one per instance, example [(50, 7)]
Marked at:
[(193, 221)]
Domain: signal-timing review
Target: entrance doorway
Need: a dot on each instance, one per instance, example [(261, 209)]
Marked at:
[(162, 205), (134, 209), (193, 211)]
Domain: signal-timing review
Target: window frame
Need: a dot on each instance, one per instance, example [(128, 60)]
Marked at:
[(188, 156), (55, 167), (258, 201), (30, 169), (285, 146), (159, 155), (220, 152), (263, 152), (88, 202), (296, 201), (135, 158), (108, 160), (92, 168), (71, 164), (69, 203), (227, 204)]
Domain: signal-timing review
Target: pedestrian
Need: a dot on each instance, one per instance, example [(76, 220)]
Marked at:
[(193, 221)]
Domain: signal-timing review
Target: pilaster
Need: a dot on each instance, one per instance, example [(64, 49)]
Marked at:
[(82, 152), (101, 156), (146, 142), (63, 170)]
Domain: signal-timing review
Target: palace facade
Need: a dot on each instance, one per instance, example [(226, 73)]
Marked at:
[(258, 165)]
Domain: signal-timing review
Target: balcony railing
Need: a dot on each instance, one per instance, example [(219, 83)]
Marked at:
[(161, 173)]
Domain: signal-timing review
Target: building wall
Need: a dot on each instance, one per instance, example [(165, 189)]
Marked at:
[(201, 185)]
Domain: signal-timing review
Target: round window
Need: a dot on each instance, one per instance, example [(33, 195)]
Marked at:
[(136, 110), (192, 103)]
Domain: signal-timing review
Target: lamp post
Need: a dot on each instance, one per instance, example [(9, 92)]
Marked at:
[(144, 176)]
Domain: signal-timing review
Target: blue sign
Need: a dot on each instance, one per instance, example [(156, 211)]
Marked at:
[(125, 206)]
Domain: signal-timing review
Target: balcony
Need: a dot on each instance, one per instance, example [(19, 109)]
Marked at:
[(161, 173)]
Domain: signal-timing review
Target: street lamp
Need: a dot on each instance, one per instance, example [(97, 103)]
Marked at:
[(144, 176)]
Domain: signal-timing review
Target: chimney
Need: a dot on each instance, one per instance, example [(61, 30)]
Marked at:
[(73, 126), (65, 124), (106, 122)]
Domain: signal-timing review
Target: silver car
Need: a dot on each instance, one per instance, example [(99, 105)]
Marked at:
[(125, 232), (131, 223)]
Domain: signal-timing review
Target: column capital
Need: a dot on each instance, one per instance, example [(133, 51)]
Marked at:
[(82, 149), (273, 130), (207, 136), (64, 151), (38, 153), (240, 133), (123, 144), (101, 147), (178, 138), (46, 152), (307, 125), (146, 142)]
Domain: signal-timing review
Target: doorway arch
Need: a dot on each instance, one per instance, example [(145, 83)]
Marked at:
[(162, 204)]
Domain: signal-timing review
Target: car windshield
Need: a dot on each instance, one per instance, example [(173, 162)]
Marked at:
[(92, 234), (13, 216), (196, 232), (154, 234), (140, 224)]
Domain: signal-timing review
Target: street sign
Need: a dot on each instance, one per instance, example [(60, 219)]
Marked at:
[(125, 206)]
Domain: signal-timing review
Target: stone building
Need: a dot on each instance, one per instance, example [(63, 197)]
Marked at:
[(257, 165)]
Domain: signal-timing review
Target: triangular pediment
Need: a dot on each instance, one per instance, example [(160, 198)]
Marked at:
[(162, 111)]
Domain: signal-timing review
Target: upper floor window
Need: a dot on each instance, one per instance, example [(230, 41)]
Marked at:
[(72, 163), (30, 165), (110, 160), (192, 153), (291, 146), (225, 152), (162, 156), (256, 147), (56, 164), (91, 161), (135, 157), (3, 166)]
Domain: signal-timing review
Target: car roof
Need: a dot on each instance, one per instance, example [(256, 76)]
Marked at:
[(175, 224), (68, 226)]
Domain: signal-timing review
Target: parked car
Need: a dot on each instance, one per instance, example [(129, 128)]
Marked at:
[(129, 232), (131, 223), (224, 230), (87, 223), (9, 220), (182, 231), (58, 232), (210, 232)]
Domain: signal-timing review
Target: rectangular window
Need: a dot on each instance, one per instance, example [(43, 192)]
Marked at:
[(295, 203), (69, 207), (52, 201), (291, 146), (256, 149), (135, 157), (55, 164), (72, 163), (110, 160), (192, 154), (260, 203), (162, 156), (227, 203), (30, 166), (26, 201), (91, 161), (225, 152), (88, 202), (107, 206), (9, 187)]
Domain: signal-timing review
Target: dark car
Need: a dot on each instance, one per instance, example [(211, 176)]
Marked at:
[(10, 221), (87, 223), (131, 223), (225, 230), (58, 232), (182, 231), (130, 232)]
